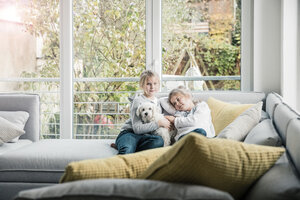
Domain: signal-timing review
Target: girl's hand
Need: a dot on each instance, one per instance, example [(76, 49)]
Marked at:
[(170, 118), (164, 123)]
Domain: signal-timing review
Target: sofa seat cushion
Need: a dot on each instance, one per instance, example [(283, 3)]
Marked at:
[(123, 189), (7, 147), (45, 161), (279, 183)]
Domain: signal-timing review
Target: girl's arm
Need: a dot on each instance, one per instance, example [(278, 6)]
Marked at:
[(170, 118), (202, 113)]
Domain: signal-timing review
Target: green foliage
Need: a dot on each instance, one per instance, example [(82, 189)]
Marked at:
[(109, 41), (219, 57)]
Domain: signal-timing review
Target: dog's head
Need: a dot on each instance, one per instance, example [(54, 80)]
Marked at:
[(146, 111)]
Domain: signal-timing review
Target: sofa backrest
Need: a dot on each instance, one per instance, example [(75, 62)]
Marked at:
[(282, 181), (283, 115), (24, 102), (229, 96), (272, 101), (292, 142)]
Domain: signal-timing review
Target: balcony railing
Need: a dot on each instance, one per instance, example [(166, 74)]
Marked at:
[(91, 119)]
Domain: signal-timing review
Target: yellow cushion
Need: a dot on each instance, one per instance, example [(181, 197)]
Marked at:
[(223, 164), (223, 113), (119, 166)]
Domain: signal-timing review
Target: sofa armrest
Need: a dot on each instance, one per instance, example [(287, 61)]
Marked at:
[(24, 102)]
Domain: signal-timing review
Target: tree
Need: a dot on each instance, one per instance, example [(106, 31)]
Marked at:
[(109, 41)]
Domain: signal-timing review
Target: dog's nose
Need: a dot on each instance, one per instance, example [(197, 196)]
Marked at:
[(146, 113)]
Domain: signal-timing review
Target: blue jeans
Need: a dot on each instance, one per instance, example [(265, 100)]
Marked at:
[(129, 142), (197, 130)]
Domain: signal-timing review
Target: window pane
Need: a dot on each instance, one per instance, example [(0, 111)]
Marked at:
[(29, 55), (109, 46), (201, 38)]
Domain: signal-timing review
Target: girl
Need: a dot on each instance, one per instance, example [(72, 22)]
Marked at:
[(136, 135), (189, 116)]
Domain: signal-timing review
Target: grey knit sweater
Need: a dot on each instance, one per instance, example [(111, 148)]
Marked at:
[(134, 123)]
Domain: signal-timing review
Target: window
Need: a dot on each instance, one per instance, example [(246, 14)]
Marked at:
[(109, 44), (201, 38), (84, 56), (29, 55)]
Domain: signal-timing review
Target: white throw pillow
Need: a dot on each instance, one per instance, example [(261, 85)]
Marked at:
[(18, 118), (167, 106), (240, 127), (9, 131)]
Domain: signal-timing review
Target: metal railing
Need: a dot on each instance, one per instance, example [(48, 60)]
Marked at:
[(97, 119)]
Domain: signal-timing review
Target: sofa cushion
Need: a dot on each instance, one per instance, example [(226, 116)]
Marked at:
[(18, 118), (226, 165), (240, 127), (120, 166), (272, 101), (279, 183), (264, 115), (45, 161), (9, 131), (264, 133), (129, 189), (28, 103), (168, 108), (224, 113), (283, 115), (293, 139)]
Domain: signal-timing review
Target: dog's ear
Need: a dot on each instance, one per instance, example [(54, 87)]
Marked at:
[(138, 111)]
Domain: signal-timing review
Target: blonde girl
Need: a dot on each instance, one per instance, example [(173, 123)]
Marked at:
[(190, 116), (136, 135)]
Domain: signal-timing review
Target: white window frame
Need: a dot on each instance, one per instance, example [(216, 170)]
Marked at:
[(153, 54), (66, 69), (247, 25)]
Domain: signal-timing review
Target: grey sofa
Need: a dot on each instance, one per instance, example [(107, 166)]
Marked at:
[(33, 163), (42, 163)]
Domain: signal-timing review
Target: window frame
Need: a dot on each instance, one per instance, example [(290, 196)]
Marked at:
[(153, 55)]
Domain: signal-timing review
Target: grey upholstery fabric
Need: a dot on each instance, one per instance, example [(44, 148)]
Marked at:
[(293, 138), (14, 146), (10, 189), (28, 103), (264, 133), (272, 101), (123, 189), (228, 96), (283, 115), (264, 115), (279, 183), (45, 161), (240, 127)]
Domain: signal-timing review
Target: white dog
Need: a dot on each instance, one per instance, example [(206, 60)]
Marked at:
[(148, 113)]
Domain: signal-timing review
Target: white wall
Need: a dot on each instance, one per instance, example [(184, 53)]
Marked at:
[(298, 60), (267, 45), (289, 50), (276, 51)]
